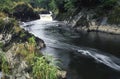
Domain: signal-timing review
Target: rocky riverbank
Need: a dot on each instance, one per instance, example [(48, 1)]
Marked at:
[(111, 29), (91, 15), (18, 47), (81, 23), (20, 50)]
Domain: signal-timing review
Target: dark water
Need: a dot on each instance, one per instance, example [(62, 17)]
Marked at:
[(84, 55)]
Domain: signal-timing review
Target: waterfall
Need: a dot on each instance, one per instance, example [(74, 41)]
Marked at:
[(46, 17)]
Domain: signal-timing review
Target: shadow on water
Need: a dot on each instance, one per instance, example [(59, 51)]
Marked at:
[(83, 55), (86, 68)]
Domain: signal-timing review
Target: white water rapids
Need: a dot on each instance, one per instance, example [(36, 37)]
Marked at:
[(37, 28)]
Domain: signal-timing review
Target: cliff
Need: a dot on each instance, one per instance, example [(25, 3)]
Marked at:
[(91, 15)]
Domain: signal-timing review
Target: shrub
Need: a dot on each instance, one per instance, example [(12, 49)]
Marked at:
[(9, 25), (40, 66), (2, 15), (114, 16), (32, 40), (42, 69), (24, 11), (4, 64)]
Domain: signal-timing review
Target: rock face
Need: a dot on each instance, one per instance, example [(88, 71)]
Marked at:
[(102, 25), (18, 65), (105, 14), (24, 12), (18, 46), (85, 21)]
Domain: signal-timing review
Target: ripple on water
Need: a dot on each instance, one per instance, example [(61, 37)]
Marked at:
[(106, 59)]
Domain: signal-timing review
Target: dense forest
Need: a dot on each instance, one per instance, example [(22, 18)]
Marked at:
[(109, 8)]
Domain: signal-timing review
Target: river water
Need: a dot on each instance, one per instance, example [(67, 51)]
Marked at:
[(83, 55)]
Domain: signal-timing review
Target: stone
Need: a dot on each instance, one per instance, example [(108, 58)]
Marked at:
[(23, 77), (27, 75), (62, 74), (18, 75)]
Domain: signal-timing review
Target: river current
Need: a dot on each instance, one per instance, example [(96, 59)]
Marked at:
[(83, 55)]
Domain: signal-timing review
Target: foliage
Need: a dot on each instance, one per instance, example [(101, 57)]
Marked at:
[(25, 50), (28, 50), (2, 15), (6, 6), (32, 40), (9, 25), (24, 12), (69, 5), (53, 7), (40, 3), (42, 69), (114, 16), (4, 65), (1, 44), (109, 3)]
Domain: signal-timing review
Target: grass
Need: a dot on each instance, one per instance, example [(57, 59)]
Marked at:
[(9, 26), (42, 69), (2, 15), (23, 51), (40, 65), (4, 64)]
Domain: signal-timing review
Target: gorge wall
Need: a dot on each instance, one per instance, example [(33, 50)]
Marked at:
[(91, 15)]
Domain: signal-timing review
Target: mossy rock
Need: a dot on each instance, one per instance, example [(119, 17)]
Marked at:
[(9, 26), (24, 12)]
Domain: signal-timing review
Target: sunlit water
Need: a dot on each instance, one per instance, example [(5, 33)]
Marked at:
[(83, 55)]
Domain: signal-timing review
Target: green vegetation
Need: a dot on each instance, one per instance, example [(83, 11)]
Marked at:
[(114, 17), (24, 11), (9, 26), (42, 69), (3, 63), (69, 8), (22, 46)]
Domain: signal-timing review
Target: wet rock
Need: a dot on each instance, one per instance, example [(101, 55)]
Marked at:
[(62, 74), (40, 43), (18, 66)]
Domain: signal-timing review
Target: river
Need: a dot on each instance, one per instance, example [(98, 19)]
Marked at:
[(83, 55)]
